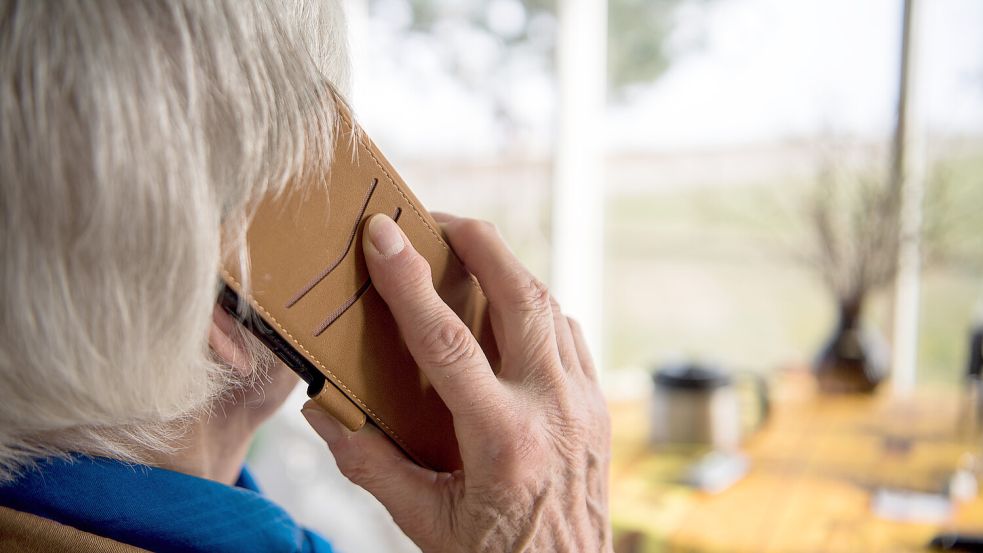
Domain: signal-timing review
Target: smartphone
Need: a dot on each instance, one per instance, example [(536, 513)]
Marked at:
[(311, 301)]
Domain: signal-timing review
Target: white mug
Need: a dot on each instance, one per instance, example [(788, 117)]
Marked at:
[(701, 405)]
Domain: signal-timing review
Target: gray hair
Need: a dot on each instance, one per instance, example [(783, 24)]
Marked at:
[(131, 135)]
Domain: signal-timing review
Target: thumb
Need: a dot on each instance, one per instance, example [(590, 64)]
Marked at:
[(409, 492)]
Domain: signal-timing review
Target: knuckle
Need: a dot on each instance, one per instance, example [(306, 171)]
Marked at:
[(519, 451), (416, 275), (448, 343), (477, 227), (531, 294), (351, 463), (356, 472), (418, 270)]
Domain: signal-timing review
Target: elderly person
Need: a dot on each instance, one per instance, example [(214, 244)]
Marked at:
[(133, 138)]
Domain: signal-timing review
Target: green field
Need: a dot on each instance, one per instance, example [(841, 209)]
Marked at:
[(708, 272)]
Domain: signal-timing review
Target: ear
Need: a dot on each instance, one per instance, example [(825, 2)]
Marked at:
[(224, 339)]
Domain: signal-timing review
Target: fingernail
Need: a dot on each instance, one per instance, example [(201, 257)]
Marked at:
[(324, 424), (385, 235)]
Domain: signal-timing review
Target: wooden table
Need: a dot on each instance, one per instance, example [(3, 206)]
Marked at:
[(814, 467)]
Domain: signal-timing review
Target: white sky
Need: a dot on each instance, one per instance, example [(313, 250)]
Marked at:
[(779, 68), (766, 70)]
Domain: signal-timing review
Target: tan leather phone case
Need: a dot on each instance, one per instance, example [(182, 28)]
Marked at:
[(318, 311)]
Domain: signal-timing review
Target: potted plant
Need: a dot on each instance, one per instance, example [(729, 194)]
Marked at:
[(852, 219)]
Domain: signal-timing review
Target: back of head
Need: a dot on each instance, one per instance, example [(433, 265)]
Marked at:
[(131, 135)]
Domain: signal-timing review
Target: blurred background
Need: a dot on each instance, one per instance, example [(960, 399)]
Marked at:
[(791, 189)]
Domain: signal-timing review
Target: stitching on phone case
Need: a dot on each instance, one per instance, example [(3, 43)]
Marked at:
[(389, 430), (334, 378), (341, 257), (355, 297), (344, 307), (392, 181)]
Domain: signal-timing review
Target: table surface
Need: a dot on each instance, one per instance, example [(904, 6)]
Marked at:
[(814, 467)]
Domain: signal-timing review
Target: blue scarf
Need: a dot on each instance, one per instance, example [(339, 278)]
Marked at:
[(158, 509)]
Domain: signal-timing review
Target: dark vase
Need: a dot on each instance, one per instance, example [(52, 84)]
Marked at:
[(854, 359)]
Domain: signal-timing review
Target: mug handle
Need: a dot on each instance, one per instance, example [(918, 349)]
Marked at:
[(762, 393)]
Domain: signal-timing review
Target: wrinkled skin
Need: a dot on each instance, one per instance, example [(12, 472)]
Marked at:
[(534, 439)]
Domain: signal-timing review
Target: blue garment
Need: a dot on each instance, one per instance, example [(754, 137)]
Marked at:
[(158, 509)]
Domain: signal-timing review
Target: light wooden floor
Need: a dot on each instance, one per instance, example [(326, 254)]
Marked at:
[(814, 467)]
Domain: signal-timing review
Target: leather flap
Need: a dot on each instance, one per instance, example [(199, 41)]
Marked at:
[(309, 282)]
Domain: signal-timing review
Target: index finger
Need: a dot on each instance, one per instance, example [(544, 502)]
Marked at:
[(440, 343), (520, 302)]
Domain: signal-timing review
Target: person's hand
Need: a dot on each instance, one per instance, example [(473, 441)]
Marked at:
[(534, 439)]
